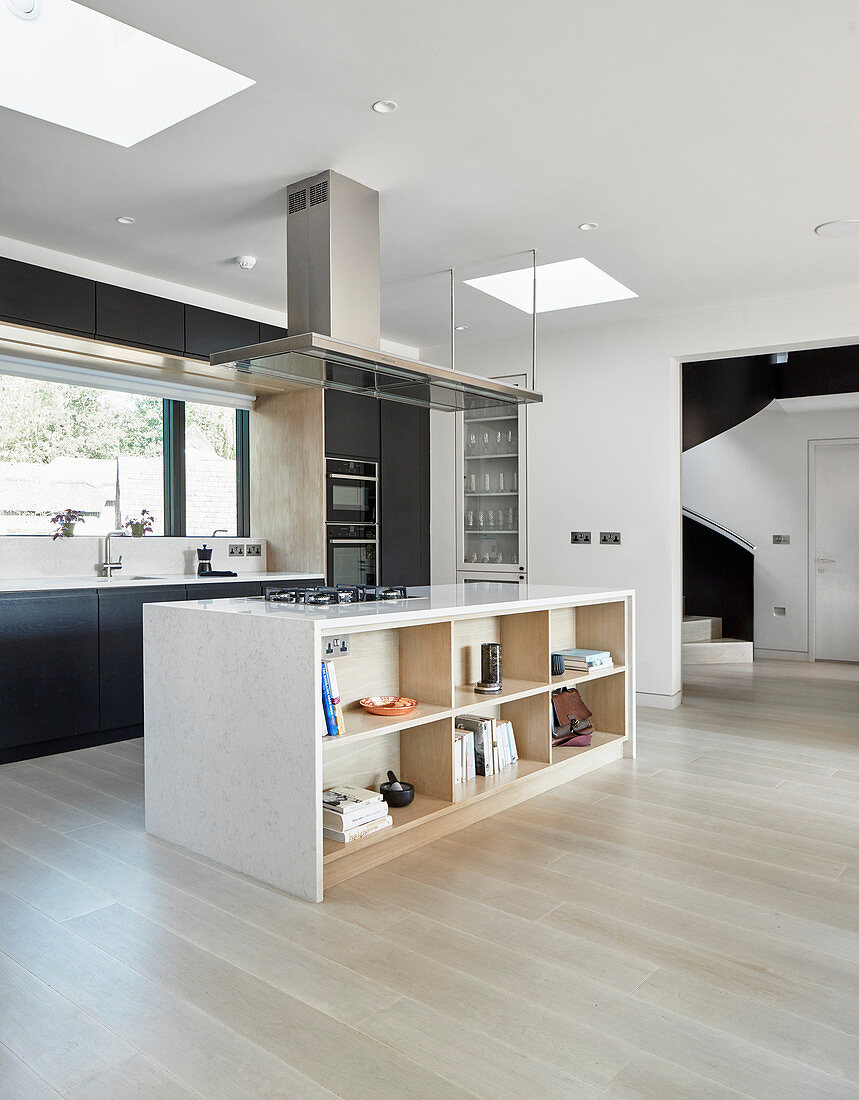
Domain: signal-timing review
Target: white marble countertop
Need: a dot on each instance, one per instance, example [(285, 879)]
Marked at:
[(437, 601), (68, 584)]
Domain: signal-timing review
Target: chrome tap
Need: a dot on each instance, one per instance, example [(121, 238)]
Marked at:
[(109, 567), (219, 531)]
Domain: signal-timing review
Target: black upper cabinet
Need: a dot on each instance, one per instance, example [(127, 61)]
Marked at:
[(120, 646), (271, 332), (207, 332), (49, 299), (351, 425), (404, 483), (142, 319), (48, 667)]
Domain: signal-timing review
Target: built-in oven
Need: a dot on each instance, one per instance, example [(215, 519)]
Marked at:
[(352, 553), (351, 489)]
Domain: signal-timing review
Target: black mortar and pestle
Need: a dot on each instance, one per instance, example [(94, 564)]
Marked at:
[(397, 792)]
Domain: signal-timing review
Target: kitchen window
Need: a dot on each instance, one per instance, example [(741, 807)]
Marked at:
[(99, 452), (110, 453)]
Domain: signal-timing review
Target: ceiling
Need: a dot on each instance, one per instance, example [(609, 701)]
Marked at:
[(705, 139)]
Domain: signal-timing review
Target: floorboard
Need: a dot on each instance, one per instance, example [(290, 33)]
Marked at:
[(685, 925)]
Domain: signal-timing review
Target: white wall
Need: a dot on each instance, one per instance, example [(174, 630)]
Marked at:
[(754, 479), (604, 451)]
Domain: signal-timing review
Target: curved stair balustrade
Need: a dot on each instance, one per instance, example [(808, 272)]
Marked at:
[(718, 575)]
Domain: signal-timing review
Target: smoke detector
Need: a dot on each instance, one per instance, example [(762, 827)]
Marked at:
[(25, 9), (246, 263)]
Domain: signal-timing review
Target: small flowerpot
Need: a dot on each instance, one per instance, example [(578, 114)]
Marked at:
[(68, 530), (136, 530)]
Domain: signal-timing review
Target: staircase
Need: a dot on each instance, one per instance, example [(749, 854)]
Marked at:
[(703, 643)]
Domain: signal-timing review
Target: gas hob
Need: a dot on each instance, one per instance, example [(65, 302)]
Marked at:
[(325, 596)]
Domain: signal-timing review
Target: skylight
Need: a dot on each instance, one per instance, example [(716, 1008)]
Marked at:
[(563, 285), (80, 69)]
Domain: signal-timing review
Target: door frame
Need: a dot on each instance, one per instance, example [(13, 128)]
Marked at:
[(813, 447)]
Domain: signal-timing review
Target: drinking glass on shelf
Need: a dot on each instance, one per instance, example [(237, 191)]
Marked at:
[(515, 559), (472, 483), (515, 483), (485, 443), (472, 443), (511, 519), (501, 482), (469, 518), (490, 518), (511, 440), (487, 485), (481, 519), (474, 557), (499, 443)]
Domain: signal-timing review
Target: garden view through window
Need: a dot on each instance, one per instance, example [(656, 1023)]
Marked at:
[(98, 452), (210, 469)]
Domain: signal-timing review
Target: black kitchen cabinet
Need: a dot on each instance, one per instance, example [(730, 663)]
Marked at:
[(404, 487), (352, 425), (207, 332), (140, 319), (271, 332), (120, 647), (49, 299), (222, 590), (48, 667)]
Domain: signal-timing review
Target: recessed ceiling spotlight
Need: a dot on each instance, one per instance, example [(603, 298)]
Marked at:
[(589, 227), (125, 220), (246, 263), (847, 227), (25, 9), (385, 106), (460, 328)]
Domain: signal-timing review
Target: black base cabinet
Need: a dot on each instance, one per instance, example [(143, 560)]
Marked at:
[(120, 648), (48, 667), (71, 663)]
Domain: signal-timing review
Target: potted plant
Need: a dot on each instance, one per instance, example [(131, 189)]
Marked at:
[(65, 523), (140, 525)]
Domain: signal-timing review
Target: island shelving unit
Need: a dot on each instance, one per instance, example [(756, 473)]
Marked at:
[(235, 766)]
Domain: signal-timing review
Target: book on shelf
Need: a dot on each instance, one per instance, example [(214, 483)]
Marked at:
[(463, 756), (328, 706), (586, 660), (348, 836), (349, 800), (494, 743), (335, 696), (342, 822)]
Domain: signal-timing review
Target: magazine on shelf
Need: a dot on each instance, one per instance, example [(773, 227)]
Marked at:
[(349, 835), (482, 730), (328, 705)]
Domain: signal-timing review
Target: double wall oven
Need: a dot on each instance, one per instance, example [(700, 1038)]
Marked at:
[(351, 528)]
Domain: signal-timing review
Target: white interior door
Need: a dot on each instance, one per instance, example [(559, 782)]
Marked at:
[(835, 545)]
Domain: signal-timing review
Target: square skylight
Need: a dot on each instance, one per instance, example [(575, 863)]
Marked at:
[(78, 68), (562, 285)]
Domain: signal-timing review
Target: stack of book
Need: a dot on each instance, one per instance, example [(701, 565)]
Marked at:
[(351, 813), (586, 660), (492, 746), (331, 706)]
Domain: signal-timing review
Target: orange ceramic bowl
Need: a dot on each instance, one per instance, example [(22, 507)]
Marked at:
[(389, 705)]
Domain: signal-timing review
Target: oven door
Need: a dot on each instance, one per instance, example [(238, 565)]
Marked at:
[(352, 561), (350, 499)]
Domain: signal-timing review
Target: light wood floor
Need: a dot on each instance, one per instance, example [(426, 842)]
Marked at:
[(682, 926)]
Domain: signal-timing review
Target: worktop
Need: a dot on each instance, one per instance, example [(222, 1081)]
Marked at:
[(32, 585), (236, 752)]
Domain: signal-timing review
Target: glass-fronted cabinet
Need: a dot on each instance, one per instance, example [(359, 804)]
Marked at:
[(491, 516)]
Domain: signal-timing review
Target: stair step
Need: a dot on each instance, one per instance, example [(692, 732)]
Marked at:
[(700, 628), (718, 651)]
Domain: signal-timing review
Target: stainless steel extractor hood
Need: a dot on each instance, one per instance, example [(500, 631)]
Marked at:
[(333, 300)]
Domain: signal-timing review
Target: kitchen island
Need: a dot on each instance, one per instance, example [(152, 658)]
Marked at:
[(235, 753)]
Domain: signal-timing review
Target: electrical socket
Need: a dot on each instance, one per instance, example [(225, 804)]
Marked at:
[(577, 538), (254, 549), (236, 550), (610, 538), (336, 647), (781, 540)]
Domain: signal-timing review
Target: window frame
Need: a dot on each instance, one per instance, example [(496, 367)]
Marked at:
[(175, 510)]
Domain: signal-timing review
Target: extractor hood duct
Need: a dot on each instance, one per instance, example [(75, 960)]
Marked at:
[(332, 244)]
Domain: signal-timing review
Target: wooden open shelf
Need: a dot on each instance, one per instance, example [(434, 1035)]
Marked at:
[(438, 664)]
